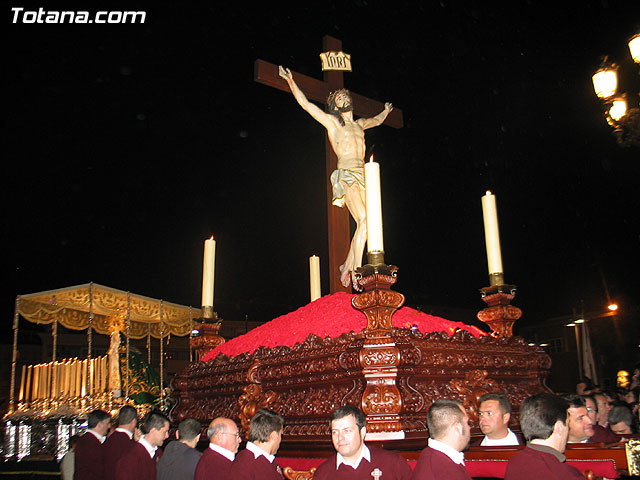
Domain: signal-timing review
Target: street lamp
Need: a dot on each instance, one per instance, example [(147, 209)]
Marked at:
[(625, 121), (634, 47)]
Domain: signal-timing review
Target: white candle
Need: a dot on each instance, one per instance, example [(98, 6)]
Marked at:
[(314, 277), (27, 395), (208, 269), (21, 397), (491, 233), (374, 206)]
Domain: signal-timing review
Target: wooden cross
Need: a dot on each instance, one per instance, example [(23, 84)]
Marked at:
[(316, 90)]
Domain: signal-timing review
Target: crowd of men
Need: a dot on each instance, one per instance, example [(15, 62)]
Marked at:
[(548, 422)]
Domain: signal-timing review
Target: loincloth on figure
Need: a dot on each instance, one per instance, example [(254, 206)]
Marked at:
[(343, 178)]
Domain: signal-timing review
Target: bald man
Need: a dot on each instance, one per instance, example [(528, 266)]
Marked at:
[(216, 460)]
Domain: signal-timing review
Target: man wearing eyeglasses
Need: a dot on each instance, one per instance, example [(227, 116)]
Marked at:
[(224, 440), (600, 434), (494, 413)]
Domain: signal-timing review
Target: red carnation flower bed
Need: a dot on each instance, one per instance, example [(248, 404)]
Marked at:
[(329, 316)]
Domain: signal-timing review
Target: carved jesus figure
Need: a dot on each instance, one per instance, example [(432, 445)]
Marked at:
[(346, 136)]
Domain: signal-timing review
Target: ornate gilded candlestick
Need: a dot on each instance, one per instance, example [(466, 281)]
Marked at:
[(500, 315), (379, 356)]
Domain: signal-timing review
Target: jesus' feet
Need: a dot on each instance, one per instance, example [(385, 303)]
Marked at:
[(345, 276)]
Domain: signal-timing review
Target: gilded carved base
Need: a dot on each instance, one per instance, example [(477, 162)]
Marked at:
[(393, 374), (379, 357)]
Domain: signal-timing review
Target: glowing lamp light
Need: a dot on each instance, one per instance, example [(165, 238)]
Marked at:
[(619, 109), (634, 47), (605, 81), (613, 307), (580, 320), (570, 324)]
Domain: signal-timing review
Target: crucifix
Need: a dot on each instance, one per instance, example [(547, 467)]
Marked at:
[(313, 89)]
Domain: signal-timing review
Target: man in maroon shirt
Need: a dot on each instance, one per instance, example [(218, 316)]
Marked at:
[(449, 435), (603, 402), (579, 431), (89, 452), (257, 461), (120, 441), (543, 419), (140, 462), (216, 461), (353, 459)]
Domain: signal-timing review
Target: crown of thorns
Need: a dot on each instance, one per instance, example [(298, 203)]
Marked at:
[(331, 99)]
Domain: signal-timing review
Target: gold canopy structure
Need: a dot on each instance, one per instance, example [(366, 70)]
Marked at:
[(105, 310), (73, 307)]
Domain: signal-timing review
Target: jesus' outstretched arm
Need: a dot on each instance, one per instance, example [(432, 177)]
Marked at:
[(378, 119), (318, 114)]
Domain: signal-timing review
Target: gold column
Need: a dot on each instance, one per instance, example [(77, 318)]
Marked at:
[(14, 356)]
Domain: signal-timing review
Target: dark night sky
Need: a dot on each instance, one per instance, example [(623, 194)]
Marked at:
[(128, 145)]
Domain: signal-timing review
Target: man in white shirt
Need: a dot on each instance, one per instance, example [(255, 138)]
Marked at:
[(224, 440), (140, 462), (354, 459), (494, 413), (449, 434)]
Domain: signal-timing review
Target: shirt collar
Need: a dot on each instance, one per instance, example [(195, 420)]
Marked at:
[(151, 450), (257, 451), (223, 451), (364, 453), (124, 430), (101, 438), (546, 449), (452, 453)]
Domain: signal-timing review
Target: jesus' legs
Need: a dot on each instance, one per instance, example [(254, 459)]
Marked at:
[(355, 200)]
